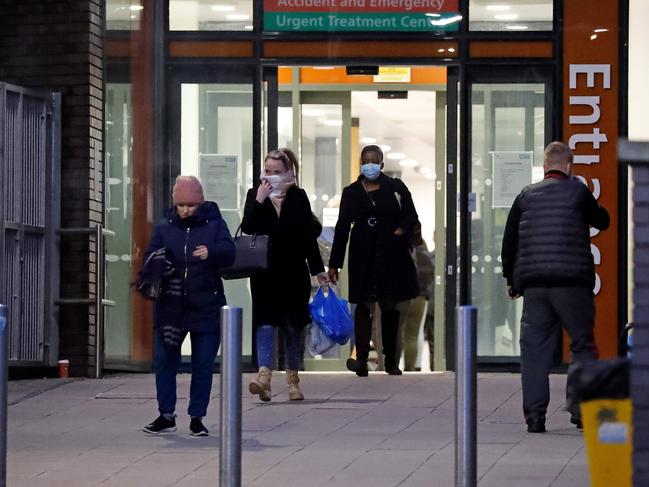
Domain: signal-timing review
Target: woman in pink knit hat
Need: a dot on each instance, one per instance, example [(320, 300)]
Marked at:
[(197, 243)]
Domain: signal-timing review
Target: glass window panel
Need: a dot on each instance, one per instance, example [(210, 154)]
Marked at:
[(123, 14), (232, 15), (285, 127), (510, 15), (216, 134), (321, 154), (505, 117), (119, 220)]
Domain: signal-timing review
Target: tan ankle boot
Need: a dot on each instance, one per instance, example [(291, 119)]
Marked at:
[(261, 385), (293, 381)]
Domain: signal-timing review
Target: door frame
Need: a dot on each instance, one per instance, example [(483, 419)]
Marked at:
[(171, 166), (446, 274), (483, 74)]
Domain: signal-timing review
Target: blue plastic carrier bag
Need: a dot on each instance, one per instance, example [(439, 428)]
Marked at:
[(332, 315)]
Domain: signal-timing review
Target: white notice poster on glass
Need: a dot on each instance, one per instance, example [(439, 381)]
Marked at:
[(220, 177), (512, 171)]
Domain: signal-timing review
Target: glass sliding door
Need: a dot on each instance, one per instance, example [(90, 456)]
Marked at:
[(118, 194), (508, 134), (212, 137), (216, 146)]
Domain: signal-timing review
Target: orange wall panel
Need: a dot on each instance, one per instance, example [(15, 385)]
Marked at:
[(338, 75), (496, 49), (591, 69), (361, 49)]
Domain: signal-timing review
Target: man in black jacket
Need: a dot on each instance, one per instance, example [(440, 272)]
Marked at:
[(547, 259)]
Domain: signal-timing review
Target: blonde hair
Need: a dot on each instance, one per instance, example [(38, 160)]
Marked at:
[(294, 162)]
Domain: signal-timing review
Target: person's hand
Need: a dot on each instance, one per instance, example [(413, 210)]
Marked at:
[(333, 275), (323, 278), (200, 252), (263, 191), (398, 231), (511, 293)]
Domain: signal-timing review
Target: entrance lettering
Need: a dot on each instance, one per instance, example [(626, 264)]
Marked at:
[(593, 137)]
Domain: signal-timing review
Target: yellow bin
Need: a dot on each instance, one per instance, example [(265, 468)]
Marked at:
[(608, 438)]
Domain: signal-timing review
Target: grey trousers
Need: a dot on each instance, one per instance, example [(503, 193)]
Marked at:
[(545, 311)]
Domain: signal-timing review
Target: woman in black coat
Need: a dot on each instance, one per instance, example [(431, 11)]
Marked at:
[(381, 269), (278, 208), (196, 241)]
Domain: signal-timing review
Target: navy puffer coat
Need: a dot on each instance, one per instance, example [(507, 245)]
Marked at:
[(202, 287)]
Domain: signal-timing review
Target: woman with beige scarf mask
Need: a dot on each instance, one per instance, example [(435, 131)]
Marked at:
[(277, 207)]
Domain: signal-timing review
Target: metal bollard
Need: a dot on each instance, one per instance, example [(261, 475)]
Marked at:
[(4, 360), (466, 397), (230, 473)]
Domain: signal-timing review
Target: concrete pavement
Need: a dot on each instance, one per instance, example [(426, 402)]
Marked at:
[(349, 432)]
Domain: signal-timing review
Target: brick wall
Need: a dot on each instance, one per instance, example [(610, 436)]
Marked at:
[(640, 363), (57, 45)]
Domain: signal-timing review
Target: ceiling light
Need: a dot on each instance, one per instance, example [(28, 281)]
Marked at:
[(385, 148), (451, 49), (516, 27), (395, 155), (333, 123), (593, 37), (446, 21), (223, 8), (323, 67), (368, 140), (600, 30), (237, 17), (440, 50), (408, 163), (136, 7), (506, 16), (497, 8), (432, 15)]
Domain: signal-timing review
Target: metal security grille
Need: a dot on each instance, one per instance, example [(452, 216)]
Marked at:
[(29, 216)]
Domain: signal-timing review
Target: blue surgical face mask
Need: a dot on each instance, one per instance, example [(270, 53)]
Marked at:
[(370, 170)]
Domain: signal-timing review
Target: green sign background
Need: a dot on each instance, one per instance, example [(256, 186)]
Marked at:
[(350, 22)]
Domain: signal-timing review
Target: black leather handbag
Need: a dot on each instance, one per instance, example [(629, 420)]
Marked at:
[(251, 256)]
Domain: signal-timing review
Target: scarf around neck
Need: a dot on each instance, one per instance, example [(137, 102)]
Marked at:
[(281, 183)]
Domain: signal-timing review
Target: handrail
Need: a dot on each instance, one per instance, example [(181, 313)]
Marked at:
[(99, 301)]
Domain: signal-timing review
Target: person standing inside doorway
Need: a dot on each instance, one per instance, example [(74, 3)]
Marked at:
[(277, 207), (196, 241), (547, 260), (381, 270)]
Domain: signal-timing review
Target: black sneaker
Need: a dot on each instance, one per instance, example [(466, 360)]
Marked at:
[(361, 369), (197, 428), (576, 420), (351, 364), (536, 424), (393, 370), (160, 425)]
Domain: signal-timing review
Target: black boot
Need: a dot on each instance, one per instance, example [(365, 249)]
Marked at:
[(389, 331)]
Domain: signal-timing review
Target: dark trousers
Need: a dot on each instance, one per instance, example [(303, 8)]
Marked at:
[(389, 330), (545, 311), (167, 361)]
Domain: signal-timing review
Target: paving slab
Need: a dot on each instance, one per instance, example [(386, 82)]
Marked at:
[(380, 431)]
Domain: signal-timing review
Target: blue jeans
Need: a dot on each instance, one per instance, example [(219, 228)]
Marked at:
[(167, 360), (266, 343)]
